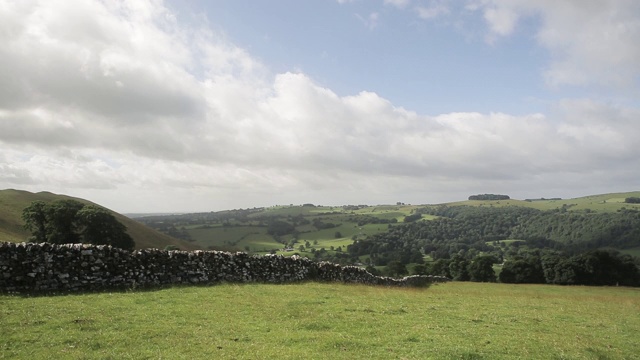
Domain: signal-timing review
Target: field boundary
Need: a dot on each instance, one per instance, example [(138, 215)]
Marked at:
[(43, 267)]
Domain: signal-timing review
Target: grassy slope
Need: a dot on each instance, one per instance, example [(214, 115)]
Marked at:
[(327, 321), (12, 202)]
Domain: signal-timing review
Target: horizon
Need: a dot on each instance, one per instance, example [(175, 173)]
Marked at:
[(184, 212), (182, 106)]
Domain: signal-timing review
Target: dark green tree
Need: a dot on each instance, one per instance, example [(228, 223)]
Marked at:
[(98, 226), (396, 268), (70, 221), (62, 226), (279, 228), (481, 269), (522, 271), (35, 220), (420, 269), (458, 268), (440, 267)]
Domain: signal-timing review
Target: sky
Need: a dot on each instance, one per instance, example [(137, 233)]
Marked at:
[(194, 105)]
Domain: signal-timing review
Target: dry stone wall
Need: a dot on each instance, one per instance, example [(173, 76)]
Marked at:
[(31, 267)]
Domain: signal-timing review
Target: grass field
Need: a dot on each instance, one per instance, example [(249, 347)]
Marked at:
[(327, 321)]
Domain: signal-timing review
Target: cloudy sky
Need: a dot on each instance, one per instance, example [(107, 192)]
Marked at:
[(193, 105)]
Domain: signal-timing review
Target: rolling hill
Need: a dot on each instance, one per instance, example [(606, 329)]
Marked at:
[(12, 202), (596, 203)]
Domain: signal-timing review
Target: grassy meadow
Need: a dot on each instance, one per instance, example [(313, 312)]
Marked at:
[(326, 321)]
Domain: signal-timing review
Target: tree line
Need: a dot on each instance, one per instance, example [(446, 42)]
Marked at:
[(569, 242), (596, 267), (486, 197)]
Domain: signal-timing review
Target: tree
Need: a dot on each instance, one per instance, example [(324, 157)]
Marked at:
[(35, 219), (440, 267), (523, 271), (395, 268), (99, 226), (70, 221), (420, 269), (458, 268), (481, 269), (62, 226), (412, 218), (279, 228)]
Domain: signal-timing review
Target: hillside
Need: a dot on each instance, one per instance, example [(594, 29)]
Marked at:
[(596, 203), (318, 232), (333, 227), (12, 202)]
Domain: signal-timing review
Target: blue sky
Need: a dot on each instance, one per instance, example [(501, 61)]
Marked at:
[(156, 106), (431, 66)]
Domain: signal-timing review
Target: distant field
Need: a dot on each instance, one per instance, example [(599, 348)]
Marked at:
[(246, 234), (598, 203), (327, 321), (248, 230)]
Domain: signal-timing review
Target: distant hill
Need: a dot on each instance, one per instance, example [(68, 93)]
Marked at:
[(12, 202), (597, 203)]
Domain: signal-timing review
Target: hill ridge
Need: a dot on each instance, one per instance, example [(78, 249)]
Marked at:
[(13, 201)]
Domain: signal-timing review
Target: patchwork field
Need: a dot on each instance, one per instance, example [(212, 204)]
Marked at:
[(327, 321), (248, 230)]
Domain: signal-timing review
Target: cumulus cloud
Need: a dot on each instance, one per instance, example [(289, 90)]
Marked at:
[(591, 42), (120, 95)]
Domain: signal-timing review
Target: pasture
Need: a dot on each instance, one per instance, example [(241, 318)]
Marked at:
[(326, 321)]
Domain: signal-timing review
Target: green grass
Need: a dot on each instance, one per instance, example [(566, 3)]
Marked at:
[(327, 321), (234, 238)]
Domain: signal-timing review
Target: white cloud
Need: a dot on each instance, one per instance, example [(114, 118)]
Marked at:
[(501, 21), (591, 42), (401, 4), (121, 96)]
